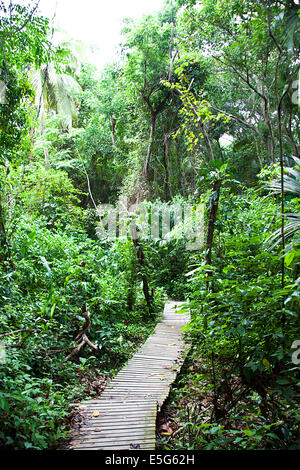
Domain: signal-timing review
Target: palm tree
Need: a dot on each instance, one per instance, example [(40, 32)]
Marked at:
[(56, 91)]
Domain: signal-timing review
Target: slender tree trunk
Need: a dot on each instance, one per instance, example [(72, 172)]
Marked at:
[(150, 143), (172, 55), (283, 318), (142, 262), (4, 248), (270, 139), (212, 220), (31, 134), (260, 159), (265, 107), (166, 158), (10, 199), (112, 134), (289, 134), (131, 290), (281, 162), (208, 144), (46, 153)]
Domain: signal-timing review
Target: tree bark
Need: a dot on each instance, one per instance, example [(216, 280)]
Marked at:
[(46, 153), (82, 339), (3, 239), (150, 142), (112, 134), (166, 165), (212, 219), (289, 134)]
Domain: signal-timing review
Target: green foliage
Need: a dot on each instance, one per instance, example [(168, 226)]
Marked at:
[(33, 408), (23, 46), (48, 194), (55, 274)]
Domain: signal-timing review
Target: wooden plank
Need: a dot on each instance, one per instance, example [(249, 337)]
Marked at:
[(140, 376), (139, 365), (91, 412), (103, 409), (130, 445), (147, 445), (133, 443), (118, 406), (114, 416), (106, 405), (160, 358), (118, 409), (104, 431), (131, 386), (110, 434), (132, 417), (83, 405)]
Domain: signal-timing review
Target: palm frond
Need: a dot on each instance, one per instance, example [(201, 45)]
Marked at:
[(291, 181), (292, 226), (56, 91), (290, 185)]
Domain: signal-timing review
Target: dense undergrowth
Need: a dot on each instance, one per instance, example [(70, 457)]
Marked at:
[(55, 272)]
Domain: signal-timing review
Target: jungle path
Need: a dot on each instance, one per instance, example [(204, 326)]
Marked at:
[(124, 416)]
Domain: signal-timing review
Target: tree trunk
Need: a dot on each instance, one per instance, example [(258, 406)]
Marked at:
[(289, 134), (142, 262), (4, 253), (150, 142), (31, 134), (265, 107), (46, 153), (166, 157), (112, 134), (212, 219)]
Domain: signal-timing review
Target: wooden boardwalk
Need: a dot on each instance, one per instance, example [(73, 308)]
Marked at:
[(124, 417)]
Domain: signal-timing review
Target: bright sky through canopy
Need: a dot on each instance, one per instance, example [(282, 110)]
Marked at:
[(97, 22)]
